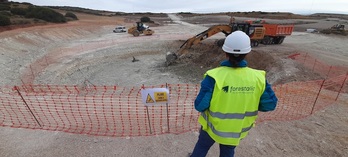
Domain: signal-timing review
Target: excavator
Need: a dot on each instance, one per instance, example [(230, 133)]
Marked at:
[(258, 32), (336, 29), (140, 28)]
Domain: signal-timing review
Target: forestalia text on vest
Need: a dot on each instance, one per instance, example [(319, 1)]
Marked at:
[(233, 89)]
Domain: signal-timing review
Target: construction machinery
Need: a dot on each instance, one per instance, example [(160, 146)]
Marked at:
[(140, 28), (339, 27), (335, 29), (263, 33)]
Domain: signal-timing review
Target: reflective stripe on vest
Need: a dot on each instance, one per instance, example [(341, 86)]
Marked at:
[(225, 134), (232, 115)]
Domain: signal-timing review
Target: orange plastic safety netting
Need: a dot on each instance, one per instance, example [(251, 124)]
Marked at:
[(119, 111)]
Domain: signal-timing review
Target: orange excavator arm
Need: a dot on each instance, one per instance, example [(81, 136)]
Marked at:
[(171, 57), (226, 29)]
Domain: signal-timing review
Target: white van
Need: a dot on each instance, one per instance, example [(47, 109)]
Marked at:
[(120, 29)]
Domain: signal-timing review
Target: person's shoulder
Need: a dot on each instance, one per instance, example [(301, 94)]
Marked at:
[(218, 68), (214, 70), (259, 70), (226, 63)]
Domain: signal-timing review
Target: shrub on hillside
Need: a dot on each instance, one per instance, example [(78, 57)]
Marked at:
[(4, 6), (21, 21), (264, 12), (26, 3), (4, 20), (19, 11), (145, 19), (46, 14), (6, 13), (185, 13), (71, 15)]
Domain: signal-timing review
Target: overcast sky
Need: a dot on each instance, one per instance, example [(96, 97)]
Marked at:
[(203, 6)]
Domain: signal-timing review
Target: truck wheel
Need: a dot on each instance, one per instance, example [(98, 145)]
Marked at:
[(254, 43), (271, 41), (266, 40), (281, 40), (278, 40)]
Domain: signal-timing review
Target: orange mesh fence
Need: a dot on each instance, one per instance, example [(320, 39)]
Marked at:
[(301, 99), (335, 76), (118, 111), (318, 66), (106, 110)]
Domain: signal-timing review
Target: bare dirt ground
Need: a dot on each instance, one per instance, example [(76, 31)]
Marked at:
[(87, 52)]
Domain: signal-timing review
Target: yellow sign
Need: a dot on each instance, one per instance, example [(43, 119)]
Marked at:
[(161, 96), (153, 96), (149, 99)]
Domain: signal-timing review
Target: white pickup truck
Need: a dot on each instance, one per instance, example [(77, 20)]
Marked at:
[(120, 29)]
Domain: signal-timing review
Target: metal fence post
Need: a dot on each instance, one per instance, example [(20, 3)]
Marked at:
[(167, 110), (315, 102), (26, 104), (341, 86), (147, 113)]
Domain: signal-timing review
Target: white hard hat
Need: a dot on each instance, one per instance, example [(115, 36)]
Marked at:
[(237, 43)]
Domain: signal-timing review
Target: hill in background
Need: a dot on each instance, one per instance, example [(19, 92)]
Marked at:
[(16, 15)]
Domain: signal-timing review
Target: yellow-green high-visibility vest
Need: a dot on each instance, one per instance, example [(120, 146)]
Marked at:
[(234, 104)]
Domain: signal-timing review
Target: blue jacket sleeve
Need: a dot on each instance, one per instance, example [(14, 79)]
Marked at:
[(205, 94), (268, 101)]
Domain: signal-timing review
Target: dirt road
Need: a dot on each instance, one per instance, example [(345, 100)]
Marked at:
[(78, 54)]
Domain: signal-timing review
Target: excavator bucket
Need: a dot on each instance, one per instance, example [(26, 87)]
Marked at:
[(170, 58)]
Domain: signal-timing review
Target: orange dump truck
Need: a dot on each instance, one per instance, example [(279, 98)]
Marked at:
[(276, 33)]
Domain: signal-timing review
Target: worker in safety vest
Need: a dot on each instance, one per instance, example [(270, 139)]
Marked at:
[(229, 99)]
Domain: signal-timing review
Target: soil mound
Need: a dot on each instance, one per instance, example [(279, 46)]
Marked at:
[(280, 69)]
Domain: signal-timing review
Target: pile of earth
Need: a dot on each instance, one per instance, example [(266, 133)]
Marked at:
[(207, 55)]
